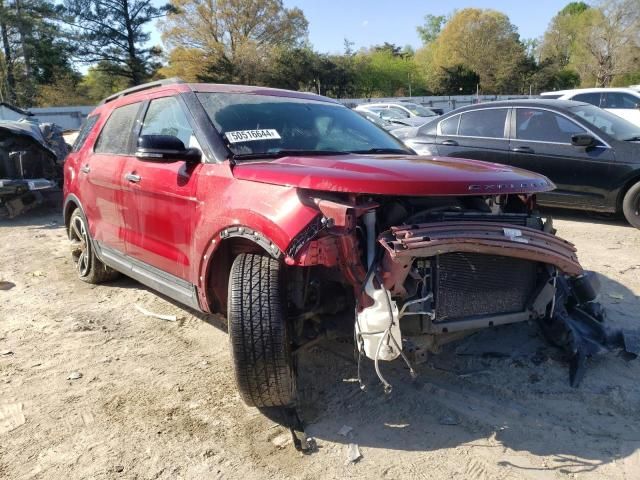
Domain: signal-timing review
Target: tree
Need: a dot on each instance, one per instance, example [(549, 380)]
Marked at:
[(431, 28), (34, 53), (482, 41), (98, 83), (559, 40), (382, 72), (600, 43), (610, 44), (233, 39), (113, 32)]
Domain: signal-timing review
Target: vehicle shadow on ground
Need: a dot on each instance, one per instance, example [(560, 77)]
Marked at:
[(585, 216), (500, 391)]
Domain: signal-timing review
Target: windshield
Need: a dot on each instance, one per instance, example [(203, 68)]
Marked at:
[(418, 110), (617, 127), (254, 125)]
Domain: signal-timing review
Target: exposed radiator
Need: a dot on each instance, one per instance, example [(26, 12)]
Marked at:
[(470, 284)]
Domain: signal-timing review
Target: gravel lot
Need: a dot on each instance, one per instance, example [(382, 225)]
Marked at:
[(156, 399)]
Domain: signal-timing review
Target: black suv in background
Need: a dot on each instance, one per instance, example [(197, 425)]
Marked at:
[(591, 155)]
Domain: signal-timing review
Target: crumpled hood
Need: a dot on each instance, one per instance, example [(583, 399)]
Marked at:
[(393, 175)]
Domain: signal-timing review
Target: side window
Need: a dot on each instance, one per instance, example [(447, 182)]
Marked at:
[(450, 125), (166, 117), (545, 126), (592, 98), (483, 123), (87, 126), (114, 137), (619, 100)]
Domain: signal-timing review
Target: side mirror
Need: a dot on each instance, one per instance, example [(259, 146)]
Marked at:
[(165, 148), (582, 140)]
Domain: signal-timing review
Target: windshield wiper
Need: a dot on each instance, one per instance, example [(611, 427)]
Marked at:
[(284, 153), (633, 139), (381, 151)]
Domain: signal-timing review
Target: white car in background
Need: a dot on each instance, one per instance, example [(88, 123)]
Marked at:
[(405, 113), (623, 102)]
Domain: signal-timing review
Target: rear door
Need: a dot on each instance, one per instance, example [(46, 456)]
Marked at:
[(101, 183), (476, 134), (165, 195), (541, 142)]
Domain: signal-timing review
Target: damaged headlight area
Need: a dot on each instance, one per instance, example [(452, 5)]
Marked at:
[(427, 272), (29, 165)]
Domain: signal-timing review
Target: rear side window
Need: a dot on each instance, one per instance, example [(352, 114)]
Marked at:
[(115, 134), (592, 98), (483, 123), (450, 125), (87, 126)]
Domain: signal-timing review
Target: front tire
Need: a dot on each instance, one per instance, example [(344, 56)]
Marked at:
[(88, 267), (631, 205), (259, 332)]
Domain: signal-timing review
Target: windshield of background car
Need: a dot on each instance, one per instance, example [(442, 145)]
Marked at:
[(617, 127), (418, 110), (263, 124)]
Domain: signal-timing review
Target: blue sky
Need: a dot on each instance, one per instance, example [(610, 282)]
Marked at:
[(374, 22)]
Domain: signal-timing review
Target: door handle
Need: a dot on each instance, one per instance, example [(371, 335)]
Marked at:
[(451, 143), (522, 149), (133, 178), (85, 169)]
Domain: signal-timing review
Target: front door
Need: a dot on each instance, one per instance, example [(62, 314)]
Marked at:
[(165, 194), (541, 142)]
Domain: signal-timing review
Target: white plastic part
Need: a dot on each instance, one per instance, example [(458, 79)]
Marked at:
[(374, 325)]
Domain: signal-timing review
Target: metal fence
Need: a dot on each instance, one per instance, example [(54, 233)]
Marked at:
[(445, 103)]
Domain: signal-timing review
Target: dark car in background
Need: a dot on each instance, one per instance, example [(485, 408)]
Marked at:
[(591, 155)]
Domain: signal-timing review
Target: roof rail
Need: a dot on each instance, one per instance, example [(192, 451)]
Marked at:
[(144, 86)]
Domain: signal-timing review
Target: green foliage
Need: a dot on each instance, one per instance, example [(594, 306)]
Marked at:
[(600, 43), (114, 31), (431, 28), (467, 40), (233, 40), (574, 8), (263, 42), (33, 53)]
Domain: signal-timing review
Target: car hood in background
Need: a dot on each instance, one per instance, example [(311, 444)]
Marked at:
[(393, 175)]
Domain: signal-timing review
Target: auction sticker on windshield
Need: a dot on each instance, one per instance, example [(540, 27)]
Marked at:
[(252, 135)]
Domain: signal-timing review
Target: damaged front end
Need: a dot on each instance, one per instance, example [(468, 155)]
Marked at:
[(29, 165), (427, 271)]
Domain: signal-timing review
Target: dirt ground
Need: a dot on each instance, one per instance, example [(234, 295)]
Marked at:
[(157, 399)]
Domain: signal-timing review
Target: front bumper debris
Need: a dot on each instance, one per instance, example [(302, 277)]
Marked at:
[(502, 239), (468, 269)]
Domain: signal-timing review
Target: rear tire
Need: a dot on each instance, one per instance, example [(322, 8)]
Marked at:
[(259, 332), (631, 205), (88, 267)]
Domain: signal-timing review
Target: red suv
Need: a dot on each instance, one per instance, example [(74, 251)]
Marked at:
[(282, 210)]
